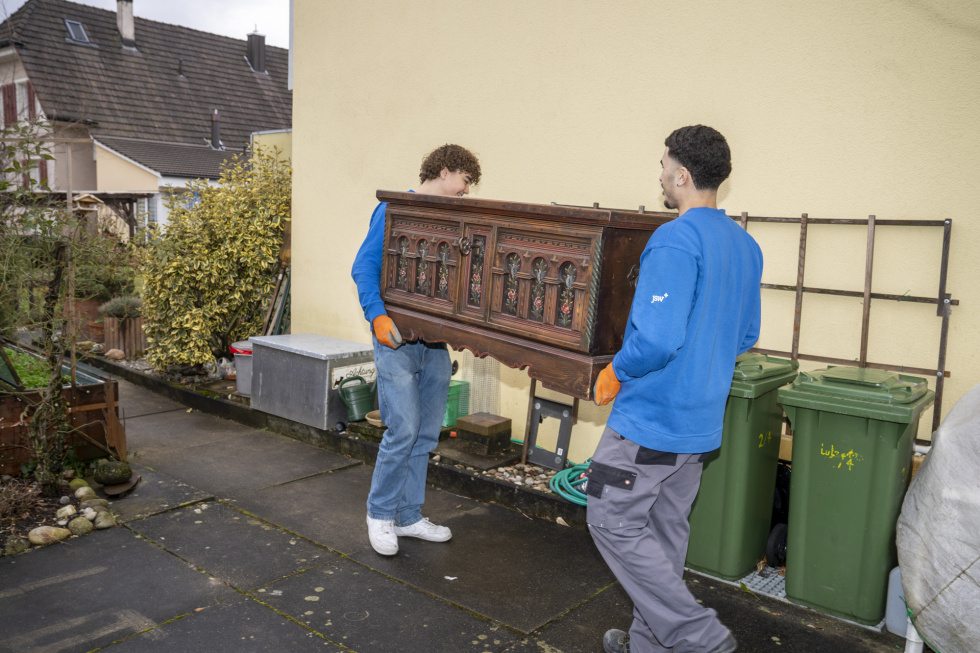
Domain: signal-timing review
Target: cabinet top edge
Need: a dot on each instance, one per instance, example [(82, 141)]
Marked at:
[(565, 213)]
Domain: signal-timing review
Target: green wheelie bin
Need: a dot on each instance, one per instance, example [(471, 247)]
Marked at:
[(853, 431), (731, 515)]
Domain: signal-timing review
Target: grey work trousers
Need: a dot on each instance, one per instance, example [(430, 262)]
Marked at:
[(639, 500)]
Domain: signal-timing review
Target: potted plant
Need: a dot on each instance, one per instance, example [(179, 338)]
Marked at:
[(94, 285)]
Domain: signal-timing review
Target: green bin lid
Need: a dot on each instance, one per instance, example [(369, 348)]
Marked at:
[(753, 367), (862, 383), (756, 374), (861, 392)]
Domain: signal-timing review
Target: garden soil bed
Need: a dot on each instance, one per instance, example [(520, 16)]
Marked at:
[(27, 508)]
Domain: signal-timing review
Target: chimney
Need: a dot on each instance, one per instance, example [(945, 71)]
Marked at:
[(216, 131), (256, 51), (125, 24)]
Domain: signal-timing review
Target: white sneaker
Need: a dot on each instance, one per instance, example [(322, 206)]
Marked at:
[(425, 530), (381, 532)]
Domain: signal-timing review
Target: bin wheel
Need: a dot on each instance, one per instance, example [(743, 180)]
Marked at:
[(776, 546)]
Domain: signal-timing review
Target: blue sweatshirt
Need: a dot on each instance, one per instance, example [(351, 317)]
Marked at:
[(697, 306), (367, 266)]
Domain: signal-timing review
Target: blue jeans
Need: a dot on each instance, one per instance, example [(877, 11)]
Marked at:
[(413, 383)]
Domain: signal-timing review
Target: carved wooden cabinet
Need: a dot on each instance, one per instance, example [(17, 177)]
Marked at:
[(542, 287)]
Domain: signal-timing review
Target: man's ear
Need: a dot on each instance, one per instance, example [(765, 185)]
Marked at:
[(444, 174), (682, 176)]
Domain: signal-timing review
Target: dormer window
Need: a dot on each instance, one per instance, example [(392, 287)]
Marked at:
[(76, 32)]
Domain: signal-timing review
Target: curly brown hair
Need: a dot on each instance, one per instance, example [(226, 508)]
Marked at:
[(452, 157), (704, 152)]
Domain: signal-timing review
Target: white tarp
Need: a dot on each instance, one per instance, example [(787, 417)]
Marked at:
[(938, 533)]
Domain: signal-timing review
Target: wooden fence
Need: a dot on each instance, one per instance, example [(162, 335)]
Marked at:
[(125, 334)]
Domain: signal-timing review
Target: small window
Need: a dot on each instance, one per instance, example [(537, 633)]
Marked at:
[(76, 32)]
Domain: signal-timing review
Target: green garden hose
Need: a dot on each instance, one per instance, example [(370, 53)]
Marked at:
[(566, 483)]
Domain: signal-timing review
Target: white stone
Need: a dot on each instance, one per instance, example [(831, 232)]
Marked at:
[(67, 511)]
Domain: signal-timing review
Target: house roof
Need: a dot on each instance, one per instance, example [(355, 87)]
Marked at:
[(171, 159), (162, 93)]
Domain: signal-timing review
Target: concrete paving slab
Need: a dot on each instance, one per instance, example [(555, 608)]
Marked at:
[(87, 592), (330, 509), (246, 461), (150, 435), (134, 401), (232, 627), (759, 624), (581, 629), (764, 624), (519, 571), (155, 493), (230, 545), (368, 612)]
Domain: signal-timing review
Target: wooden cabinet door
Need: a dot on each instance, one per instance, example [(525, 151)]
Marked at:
[(421, 262), (474, 295), (542, 282)]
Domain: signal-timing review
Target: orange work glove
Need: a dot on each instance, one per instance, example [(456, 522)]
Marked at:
[(606, 386), (386, 332)]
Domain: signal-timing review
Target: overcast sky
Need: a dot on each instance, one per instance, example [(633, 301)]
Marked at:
[(235, 18)]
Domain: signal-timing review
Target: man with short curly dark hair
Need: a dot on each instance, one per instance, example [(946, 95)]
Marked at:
[(413, 377), (704, 152), (450, 157), (697, 306)]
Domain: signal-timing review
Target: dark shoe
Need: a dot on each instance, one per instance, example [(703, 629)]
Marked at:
[(616, 641), (727, 646)]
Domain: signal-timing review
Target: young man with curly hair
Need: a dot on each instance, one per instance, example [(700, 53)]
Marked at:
[(697, 306), (413, 377)]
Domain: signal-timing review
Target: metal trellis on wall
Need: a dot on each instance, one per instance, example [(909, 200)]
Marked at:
[(943, 300)]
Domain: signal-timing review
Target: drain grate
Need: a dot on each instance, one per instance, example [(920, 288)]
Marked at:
[(767, 582)]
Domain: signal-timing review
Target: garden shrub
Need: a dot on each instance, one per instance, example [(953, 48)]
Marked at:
[(211, 271)]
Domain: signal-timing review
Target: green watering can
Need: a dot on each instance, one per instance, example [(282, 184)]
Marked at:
[(359, 397)]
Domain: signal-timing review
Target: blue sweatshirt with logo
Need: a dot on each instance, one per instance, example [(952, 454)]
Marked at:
[(697, 306)]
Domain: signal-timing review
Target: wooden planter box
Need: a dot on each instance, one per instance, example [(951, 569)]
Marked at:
[(125, 334), (94, 411)]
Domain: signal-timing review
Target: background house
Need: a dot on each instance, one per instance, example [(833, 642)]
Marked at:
[(835, 109), (161, 103)]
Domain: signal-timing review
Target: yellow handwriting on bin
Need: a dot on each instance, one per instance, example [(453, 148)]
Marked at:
[(843, 459), (764, 439)]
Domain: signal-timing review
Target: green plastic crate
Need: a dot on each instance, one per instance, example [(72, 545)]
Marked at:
[(457, 403)]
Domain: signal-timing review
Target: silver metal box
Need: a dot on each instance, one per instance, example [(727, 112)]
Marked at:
[(296, 376)]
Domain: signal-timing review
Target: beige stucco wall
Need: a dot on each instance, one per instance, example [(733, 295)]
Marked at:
[(116, 173), (275, 139), (835, 109)]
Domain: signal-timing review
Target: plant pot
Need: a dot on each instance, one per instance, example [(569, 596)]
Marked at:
[(96, 331)]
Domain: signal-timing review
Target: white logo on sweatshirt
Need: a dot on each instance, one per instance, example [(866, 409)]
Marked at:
[(658, 298)]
